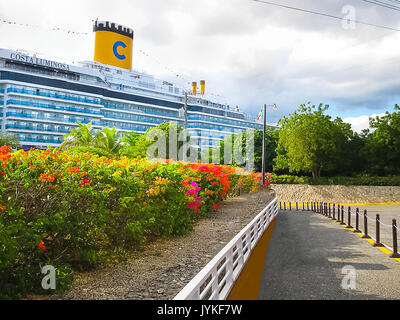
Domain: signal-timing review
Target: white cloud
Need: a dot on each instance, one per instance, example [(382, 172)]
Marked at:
[(361, 122), (248, 52)]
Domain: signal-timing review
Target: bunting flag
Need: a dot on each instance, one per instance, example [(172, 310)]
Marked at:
[(48, 27)]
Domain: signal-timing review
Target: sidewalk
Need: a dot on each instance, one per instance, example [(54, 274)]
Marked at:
[(306, 255)]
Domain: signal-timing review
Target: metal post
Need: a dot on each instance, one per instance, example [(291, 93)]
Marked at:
[(185, 109), (290, 206), (365, 236), (280, 205), (357, 221), (284, 205), (263, 144), (377, 242), (349, 219), (342, 218), (333, 209), (329, 210), (395, 254)]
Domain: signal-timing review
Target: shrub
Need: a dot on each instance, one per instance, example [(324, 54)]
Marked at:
[(74, 210)]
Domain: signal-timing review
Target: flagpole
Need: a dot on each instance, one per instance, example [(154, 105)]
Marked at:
[(263, 144)]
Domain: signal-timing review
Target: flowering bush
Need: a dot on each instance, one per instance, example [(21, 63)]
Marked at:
[(71, 209)]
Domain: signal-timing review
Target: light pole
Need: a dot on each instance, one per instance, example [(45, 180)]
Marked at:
[(263, 139), (183, 111)]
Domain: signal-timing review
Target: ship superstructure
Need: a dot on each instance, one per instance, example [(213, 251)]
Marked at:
[(41, 100)]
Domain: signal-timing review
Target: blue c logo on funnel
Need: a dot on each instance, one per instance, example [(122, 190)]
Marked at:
[(118, 44)]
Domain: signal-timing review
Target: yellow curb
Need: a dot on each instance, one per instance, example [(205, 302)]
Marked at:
[(347, 204), (383, 249), (369, 204), (370, 241)]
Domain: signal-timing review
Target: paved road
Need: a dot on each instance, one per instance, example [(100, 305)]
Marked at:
[(306, 256), (387, 214)]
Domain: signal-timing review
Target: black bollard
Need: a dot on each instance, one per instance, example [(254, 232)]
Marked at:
[(357, 221), (395, 254), (365, 236), (377, 242)]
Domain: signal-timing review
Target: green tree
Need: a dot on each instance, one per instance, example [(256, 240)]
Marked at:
[(108, 140), (271, 140), (129, 141), (82, 136), (8, 139), (383, 144), (350, 158), (148, 139), (309, 141)]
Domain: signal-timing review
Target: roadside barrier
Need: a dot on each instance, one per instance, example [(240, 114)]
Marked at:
[(336, 213), (216, 280)]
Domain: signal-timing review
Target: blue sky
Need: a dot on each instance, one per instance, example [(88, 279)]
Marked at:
[(249, 53)]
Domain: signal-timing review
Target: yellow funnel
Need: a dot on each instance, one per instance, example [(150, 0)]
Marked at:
[(202, 87), (113, 44), (194, 88)]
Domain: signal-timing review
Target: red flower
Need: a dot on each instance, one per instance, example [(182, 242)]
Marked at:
[(2, 208), (5, 150), (215, 206), (41, 245)]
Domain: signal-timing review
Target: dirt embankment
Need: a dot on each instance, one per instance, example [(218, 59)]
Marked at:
[(343, 194)]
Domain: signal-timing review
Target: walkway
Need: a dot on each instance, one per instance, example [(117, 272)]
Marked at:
[(386, 212), (306, 256)]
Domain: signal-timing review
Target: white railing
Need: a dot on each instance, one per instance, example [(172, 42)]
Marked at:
[(216, 279)]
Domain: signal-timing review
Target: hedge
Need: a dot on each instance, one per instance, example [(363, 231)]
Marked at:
[(76, 210)]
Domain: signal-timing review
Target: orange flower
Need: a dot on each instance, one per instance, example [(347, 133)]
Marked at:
[(74, 169), (48, 177), (41, 245), (5, 150), (2, 208)]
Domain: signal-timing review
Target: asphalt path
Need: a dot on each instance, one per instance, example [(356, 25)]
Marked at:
[(386, 215), (311, 257)]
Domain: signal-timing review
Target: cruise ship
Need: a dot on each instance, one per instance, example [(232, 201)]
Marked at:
[(41, 100)]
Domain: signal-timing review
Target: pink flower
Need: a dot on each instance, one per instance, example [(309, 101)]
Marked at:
[(193, 191), (84, 182)]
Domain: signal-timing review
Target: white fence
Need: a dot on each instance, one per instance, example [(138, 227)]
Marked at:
[(216, 279)]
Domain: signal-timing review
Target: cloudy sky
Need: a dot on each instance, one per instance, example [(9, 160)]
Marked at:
[(249, 53)]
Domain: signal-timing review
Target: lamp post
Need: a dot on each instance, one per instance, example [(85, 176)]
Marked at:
[(263, 140)]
